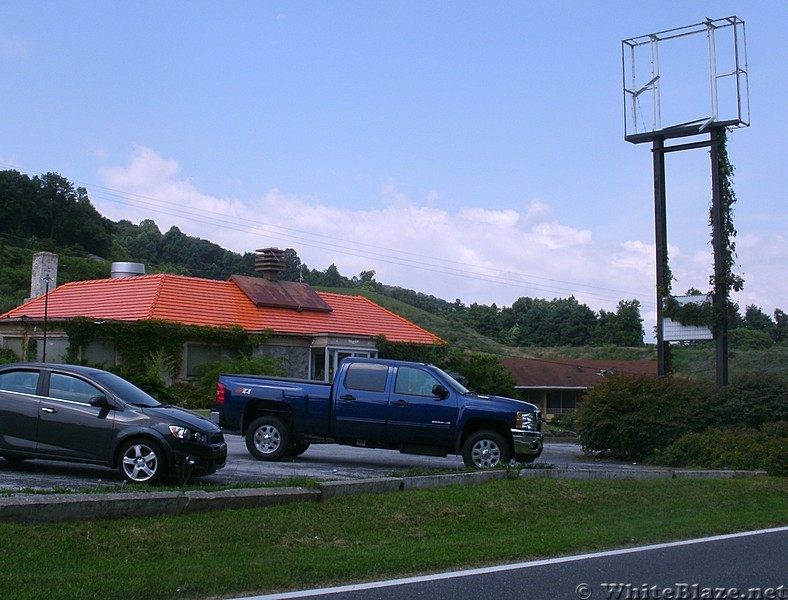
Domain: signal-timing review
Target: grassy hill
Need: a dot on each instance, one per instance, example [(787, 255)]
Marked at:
[(457, 335)]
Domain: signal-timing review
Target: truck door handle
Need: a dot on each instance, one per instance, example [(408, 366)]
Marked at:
[(48, 410), (400, 402), (347, 397)]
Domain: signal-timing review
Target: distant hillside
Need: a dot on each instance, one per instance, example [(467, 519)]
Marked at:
[(49, 213), (456, 334)]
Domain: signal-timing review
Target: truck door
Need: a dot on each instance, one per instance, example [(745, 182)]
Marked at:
[(360, 403), (416, 414)]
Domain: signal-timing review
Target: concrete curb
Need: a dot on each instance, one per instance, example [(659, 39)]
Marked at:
[(331, 489), (80, 507), (633, 474)]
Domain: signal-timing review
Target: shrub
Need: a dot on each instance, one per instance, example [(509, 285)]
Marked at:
[(751, 400), (749, 339), (189, 395), (7, 356), (201, 393), (632, 417), (731, 448)]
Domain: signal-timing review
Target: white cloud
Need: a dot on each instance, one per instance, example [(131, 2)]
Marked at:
[(476, 254)]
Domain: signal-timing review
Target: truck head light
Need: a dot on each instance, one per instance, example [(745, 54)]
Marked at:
[(526, 420)]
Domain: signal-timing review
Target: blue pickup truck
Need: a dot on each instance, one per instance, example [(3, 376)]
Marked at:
[(411, 407)]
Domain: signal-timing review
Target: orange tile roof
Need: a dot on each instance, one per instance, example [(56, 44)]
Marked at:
[(196, 301)]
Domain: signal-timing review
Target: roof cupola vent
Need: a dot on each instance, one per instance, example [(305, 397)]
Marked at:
[(270, 262)]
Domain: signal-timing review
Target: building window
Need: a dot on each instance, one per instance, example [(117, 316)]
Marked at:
[(99, 353), (56, 349), (561, 402), (199, 355), (15, 345), (325, 361)]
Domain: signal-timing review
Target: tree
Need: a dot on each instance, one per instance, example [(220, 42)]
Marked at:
[(484, 374), (781, 326), (628, 324), (755, 318)]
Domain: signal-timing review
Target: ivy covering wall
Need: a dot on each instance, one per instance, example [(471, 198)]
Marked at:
[(136, 342)]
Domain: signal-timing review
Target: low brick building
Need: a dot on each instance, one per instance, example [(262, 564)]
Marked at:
[(558, 386), (312, 330)]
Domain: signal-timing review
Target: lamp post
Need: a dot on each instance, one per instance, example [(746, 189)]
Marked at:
[(46, 279)]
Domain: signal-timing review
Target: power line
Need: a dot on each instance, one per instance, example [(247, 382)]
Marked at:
[(319, 241)]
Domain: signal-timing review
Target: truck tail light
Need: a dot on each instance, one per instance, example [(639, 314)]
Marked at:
[(221, 394)]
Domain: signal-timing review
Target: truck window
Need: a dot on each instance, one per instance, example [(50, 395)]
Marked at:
[(367, 377), (415, 382)]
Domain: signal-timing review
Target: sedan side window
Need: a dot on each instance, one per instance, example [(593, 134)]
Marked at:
[(25, 382), (66, 387)]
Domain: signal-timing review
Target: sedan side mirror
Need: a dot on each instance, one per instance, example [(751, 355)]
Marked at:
[(100, 401), (440, 391)]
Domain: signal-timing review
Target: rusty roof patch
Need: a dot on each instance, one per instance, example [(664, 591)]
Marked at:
[(280, 294)]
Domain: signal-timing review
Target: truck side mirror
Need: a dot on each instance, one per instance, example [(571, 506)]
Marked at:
[(440, 391)]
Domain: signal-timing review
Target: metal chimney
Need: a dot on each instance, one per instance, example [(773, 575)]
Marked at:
[(126, 269), (270, 262)]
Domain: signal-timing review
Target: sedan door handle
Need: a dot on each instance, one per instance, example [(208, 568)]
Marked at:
[(400, 402), (46, 409), (347, 397)]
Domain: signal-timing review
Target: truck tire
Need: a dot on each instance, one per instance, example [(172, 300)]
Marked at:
[(268, 438), (297, 449), (485, 449)]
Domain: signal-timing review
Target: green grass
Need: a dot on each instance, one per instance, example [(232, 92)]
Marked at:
[(359, 538)]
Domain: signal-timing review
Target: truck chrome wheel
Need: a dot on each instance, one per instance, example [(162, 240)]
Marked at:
[(268, 438), (485, 449)]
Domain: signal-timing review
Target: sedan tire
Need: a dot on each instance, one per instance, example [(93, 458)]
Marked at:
[(142, 461)]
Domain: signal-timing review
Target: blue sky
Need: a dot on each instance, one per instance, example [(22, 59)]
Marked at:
[(469, 150)]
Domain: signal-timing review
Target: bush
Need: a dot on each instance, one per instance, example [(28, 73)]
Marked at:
[(7, 356), (632, 417), (201, 393), (752, 400), (189, 395), (749, 339), (731, 448)]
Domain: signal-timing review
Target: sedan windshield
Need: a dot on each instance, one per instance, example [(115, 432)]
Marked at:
[(128, 392)]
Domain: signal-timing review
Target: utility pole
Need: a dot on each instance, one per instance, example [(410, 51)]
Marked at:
[(47, 280)]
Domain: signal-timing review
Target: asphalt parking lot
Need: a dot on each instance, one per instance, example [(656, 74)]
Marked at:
[(328, 462)]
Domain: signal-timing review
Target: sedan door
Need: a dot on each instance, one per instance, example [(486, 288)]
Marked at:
[(69, 426), (19, 405)]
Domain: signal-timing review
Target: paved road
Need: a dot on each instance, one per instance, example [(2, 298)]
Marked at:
[(727, 567), (326, 462)]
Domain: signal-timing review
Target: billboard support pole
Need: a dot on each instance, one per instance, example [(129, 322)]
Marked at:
[(661, 244), (720, 295)]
